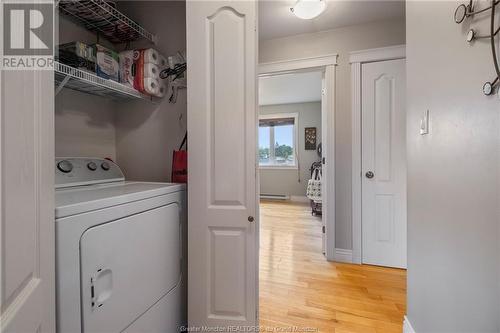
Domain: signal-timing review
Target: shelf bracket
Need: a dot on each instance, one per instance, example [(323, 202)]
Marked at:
[(62, 84)]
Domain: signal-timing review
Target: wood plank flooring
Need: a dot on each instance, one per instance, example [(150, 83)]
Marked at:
[(298, 287)]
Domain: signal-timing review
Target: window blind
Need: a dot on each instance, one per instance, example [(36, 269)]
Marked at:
[(276, 122)]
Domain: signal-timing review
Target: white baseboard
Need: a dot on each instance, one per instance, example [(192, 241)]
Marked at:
[(407, 328), (299, 198), (343, 255)]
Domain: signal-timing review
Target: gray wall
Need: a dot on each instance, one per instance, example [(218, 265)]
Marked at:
[(84, 123), (285, 181), (146, 134), (453, 175), (340, 41)]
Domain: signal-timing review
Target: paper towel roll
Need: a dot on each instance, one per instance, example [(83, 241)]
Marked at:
[(151, 70), (151, 56), (151, 86)]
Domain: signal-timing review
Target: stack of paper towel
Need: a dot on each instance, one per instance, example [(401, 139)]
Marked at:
[(141, 69)]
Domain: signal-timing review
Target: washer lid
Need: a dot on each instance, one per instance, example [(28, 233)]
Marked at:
[(81, 199)]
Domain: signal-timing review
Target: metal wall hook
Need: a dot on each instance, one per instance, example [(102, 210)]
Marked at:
[(463, 11)]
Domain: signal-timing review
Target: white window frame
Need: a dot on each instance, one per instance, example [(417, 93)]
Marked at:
[(295, 117)]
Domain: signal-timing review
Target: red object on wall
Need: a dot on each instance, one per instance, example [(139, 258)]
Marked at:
[(179, 164)]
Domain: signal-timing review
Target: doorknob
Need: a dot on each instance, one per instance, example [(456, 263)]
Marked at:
[(250, 219), (369, 175)]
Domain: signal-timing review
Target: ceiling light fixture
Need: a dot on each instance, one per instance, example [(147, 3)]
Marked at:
[(308, 9)]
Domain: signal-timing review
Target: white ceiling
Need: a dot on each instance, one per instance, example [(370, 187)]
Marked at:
[(276, 20), (290, 88)]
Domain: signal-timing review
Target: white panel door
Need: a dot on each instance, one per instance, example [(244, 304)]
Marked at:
[(222, 193), (384, 163), (27, 201)]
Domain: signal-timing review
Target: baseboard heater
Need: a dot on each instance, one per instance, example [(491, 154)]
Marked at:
[(275, 196)]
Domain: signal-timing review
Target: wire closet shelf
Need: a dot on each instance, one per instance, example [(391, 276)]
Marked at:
[(76, 79), (103, 18)]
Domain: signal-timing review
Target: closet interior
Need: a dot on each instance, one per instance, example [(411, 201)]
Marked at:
[(96, 115)]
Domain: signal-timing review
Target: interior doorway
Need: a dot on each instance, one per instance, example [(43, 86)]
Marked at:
[(296, 180), (290, 142), (292, 229), (282, 82)]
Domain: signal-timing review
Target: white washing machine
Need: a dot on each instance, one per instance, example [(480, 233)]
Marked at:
[(119, 248)]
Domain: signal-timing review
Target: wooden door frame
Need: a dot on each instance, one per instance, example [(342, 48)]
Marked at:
[(327, 65), (357, 59)]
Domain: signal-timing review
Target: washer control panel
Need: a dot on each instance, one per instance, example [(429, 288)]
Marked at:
[(76, 171)]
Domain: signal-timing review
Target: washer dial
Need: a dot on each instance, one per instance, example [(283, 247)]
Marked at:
[(92, 166), (65, 166), (105, 166)]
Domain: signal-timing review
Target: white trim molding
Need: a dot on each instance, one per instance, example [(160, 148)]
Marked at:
[(378, 54), (343, 255), (268, 68), (407, 328), (357, 59), (356, 162)]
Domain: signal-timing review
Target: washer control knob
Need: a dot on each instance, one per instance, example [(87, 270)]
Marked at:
[(65, 166), (92, 166), (105, 166)]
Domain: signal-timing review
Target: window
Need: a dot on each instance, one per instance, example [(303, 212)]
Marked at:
[(277, 140)]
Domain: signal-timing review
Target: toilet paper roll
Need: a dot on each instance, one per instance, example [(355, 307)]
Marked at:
[(151, 86), (151, 56), (162, 90), (151, 70), (163, 62)]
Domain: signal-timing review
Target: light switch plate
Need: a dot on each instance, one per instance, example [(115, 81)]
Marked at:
[(424, 123)]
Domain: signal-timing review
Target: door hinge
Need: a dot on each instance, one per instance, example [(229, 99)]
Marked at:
[(323, 229)]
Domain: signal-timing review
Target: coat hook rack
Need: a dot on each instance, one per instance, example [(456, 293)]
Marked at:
[(464, 11)]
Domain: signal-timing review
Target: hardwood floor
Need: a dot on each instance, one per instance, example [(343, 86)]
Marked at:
[(298, 287)]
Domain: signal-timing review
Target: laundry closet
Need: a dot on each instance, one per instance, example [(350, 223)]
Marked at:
[(120, 218), (136, 131)]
